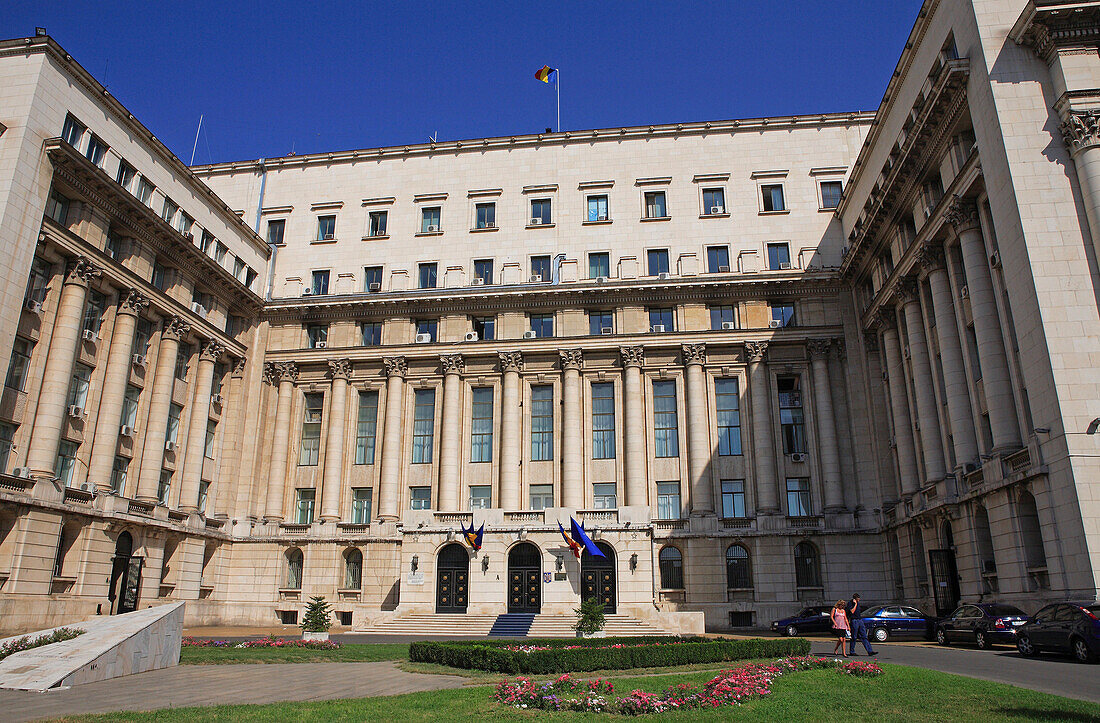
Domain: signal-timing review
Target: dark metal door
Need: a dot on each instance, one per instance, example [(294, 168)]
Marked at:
[(600, 584), (945, 580), (524, 590), (452, 590), (130, 583)]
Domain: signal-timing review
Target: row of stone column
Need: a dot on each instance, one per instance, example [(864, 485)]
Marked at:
[(64, 346), (636, 483)]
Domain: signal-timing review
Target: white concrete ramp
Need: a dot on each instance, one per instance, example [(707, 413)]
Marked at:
[(111, 646)]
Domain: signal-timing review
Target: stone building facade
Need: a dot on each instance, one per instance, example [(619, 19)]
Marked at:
[(766, 362)]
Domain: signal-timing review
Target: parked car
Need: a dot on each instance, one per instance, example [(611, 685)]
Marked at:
[(982, 623), (887, 621), (1065, 627), (812, 619)]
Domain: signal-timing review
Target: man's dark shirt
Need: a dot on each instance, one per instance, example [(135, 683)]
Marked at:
[(854, 609)]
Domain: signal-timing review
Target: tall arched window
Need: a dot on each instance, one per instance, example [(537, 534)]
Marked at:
[(672, 568), (738, 568), (294, 563), (353, 569), (1032, 536), (807, 566)]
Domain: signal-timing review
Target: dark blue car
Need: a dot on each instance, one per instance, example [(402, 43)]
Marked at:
[(1065, 628), (887, 621), (981, 623), (812, 619)]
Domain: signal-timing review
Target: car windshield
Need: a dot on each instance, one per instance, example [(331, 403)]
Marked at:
[(806, 612), (875, 612), (1004, 610)]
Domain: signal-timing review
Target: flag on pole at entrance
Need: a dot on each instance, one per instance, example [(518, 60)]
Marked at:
[(574, 546), (474, 537), (577, 533), (546, 74)]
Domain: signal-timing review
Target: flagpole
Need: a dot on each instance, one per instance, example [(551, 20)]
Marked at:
[(557, 87)]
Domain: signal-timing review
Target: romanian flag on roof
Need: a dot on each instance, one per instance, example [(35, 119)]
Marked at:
[(546, 74)]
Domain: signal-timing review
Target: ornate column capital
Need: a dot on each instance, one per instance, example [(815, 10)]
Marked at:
[(210, 351), (81, 271), (452, 363), (239, 365), (284, 372), (1081, 129), (870, 341), (339, 368), (395, 366), (132, 302), (756, 351), (962, 214), (906, 290), (632, 356), (175, 328), (884, 318), (818, 348), (571, 358), (931, 257), (694, 354), (510, 361), (840, 349)]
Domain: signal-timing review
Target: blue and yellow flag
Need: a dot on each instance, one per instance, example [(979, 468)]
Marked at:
[(546, 74), (574, 546), (472, 537), (579, 535)]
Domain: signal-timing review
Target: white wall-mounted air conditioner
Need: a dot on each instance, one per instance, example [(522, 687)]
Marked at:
[(728, 326), (723, 269), (169, 446), (717, 210), (798, 457), (472, 336), (198, 309), (138, 360), (601, 217), (216, 399), (664, 276), (775, 324), (478, 281), (534, 279), (374, 286), (320, 345), (126, 431), (657, 328), (433, 229), (490, 224), (601, 279), (33, 306), (784, 265), (423, 338), (606, 330), (329, 237), (529, 334), (90, 335), (307, 292), (76, 411), (536, 221), (22, 472)]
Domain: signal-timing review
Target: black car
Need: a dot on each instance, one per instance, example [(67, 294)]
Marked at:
[(887, 621), (813, 619), (982, 623), (1066, 627)]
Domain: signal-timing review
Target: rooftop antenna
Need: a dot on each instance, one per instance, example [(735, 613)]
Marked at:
[(432, 137), (194, 147)]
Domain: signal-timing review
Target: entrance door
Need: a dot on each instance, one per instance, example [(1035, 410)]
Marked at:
[(945, 581), (122, 592), (524, 579), (452, 587), (598, 577)]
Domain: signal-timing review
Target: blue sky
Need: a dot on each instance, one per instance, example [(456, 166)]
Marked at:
[(278, 76)]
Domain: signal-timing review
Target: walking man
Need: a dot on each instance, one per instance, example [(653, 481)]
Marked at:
[(859, 628)]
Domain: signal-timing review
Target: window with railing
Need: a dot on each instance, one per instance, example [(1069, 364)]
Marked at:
[(668, 501)]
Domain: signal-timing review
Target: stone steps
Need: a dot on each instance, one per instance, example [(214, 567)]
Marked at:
[(511, 625)]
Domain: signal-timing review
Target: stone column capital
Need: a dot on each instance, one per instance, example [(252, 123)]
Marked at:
[(870, 341), (339, 368), (756, 351), (277, 372), (452, 363), (175, 328), (239, 365), (931, 257), (840, 349), (694, 354), (962, 215), (395, 366), (210, 351), (571, 358), (1081, 129), (884, 318), (818, 348), (81, 271), (510, 361), (906, 290), (632, 356), (132, 302)]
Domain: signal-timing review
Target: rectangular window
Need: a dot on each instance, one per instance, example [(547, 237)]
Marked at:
[(361, 498), (66, 463), (326, 228), (485, 215), (721, 316), (483, 269), (603, 496), (184, 223), (20, 364), (183, 359), (727, 404), (662, 319), (772, 197), (798, 497), (779, 256), (790, 415), (372, 278), (481, 425), (601, 322), (126, 174), (318, 336), (420, 498), (782, 314), (733, 498), (366, 427), (168, 212), (93, 312), (96, 150), (311, 430), (542, 497), (427, 276), (38, 285), (657, 261), (714, 201), (668, 500), (831, 191), (164, 487), (220, 250), (378, 222), (718, 259), (57, 207), (118, 475), (599, 265), (220, 370), (172, 432), (542, 325), (73, 131), (429, 220), (204, 496), (540, 267), (597, 208), (481, 497), (484, 327), (320, 282), (275, 230), (114, 247), (211, 436), (371, 333), (603, 421), (143, 332), (304, 506), (7, 437), (427, 327), (542, 423), (145, 190), (423, 426), (160, 276), (540, 211), (655, 205), (78, 386), (665, 428)]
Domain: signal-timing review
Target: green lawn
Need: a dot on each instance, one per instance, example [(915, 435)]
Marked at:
[(903, 694), (348, 653)]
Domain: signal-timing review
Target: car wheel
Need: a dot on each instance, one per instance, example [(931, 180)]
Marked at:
[(1024, 646), (980, 640), (880, 635), (941, 637), (791, 631), (1081, 651)]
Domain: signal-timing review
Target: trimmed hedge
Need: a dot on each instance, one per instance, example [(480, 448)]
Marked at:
[(493, 657)]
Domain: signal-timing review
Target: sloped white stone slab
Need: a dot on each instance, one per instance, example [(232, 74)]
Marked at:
[(111, 646)]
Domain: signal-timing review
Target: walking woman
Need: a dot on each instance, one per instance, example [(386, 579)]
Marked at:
[(841, 628)]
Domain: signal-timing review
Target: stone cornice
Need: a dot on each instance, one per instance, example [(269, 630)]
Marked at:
[(1051, 26)]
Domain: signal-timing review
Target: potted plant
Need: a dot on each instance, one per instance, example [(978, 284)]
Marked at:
[(317, 620), (590, 619)]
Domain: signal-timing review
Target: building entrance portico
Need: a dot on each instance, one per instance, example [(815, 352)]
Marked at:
[(524, 579), (452, 592)]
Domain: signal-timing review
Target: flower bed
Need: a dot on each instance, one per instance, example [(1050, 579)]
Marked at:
[(561, 656), (728, 688), (27, 642), (269, 642)]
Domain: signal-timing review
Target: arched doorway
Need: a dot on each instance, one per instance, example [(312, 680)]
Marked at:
[(125, 576), (598, 577), (945, 575), (452, 586), (524, 579)]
